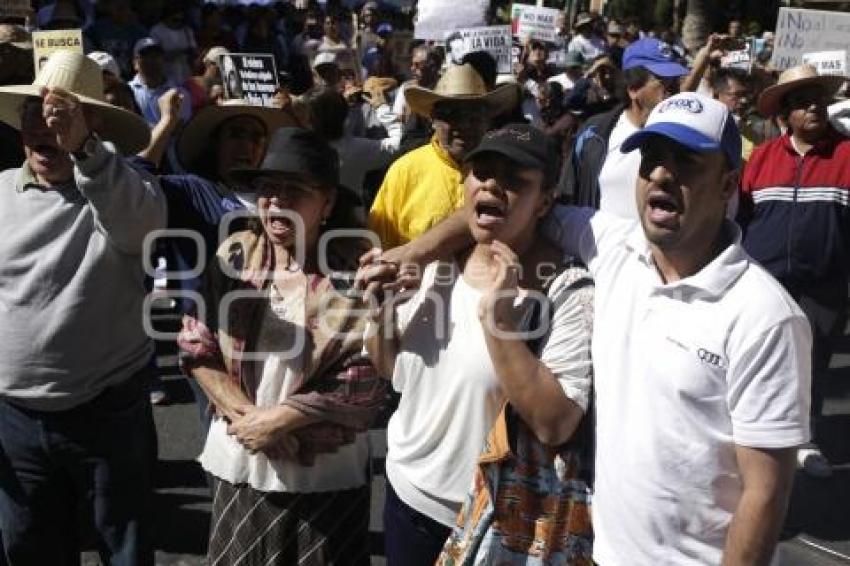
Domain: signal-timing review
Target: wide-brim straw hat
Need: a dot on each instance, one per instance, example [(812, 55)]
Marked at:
[(770, 101), (198, 132), (461, 83), (79, 75)]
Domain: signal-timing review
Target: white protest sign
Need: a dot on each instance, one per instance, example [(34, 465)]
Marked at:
[(828, 62), (495, 40), (737, 60), (249, 76), (800, 31), (533, 22), (45, 43), (437, 18), (15, 8)]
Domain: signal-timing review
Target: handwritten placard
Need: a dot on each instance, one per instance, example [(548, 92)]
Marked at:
[(800, 31), (45, 43), (534, 23), (437, 18)]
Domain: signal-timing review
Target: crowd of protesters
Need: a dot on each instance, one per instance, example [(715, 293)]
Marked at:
[(605, 287)]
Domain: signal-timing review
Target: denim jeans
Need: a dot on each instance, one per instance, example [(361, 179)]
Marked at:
[(96, 455)]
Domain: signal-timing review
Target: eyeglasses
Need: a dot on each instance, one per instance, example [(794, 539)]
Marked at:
[(290, 191)]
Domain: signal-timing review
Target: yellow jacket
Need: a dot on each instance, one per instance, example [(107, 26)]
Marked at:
[(420, 190)]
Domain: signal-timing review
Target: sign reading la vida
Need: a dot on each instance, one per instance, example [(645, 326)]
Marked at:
[(45, 43), (495, 40), (800, 32)]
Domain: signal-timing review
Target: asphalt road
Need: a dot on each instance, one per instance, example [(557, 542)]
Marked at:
[(817, 531)]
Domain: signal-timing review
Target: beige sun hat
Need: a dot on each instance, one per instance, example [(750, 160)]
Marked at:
[(463, 84), (770, 101), (82, 77), (198, 132)]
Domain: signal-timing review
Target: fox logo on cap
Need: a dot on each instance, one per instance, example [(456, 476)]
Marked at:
[(691, 105)]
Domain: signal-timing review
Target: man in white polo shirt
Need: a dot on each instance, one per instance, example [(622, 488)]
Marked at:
[(701, 360)]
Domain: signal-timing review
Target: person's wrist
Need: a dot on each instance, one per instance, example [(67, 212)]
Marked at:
[(87, 146)]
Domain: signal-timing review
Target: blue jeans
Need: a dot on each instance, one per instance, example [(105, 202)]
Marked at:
[(96, 455), (410, 538)]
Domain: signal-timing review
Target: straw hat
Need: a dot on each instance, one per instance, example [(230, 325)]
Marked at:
[(198, 132), (461, 83), (770, 101), (81, 76)]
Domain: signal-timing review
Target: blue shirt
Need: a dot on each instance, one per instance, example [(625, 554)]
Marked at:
[(195, 204), (148, 100)]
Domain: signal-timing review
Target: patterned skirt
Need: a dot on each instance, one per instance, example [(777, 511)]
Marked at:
[(256, 528)]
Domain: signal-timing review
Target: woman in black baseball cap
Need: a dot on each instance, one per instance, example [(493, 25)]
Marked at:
[(276, 345), (505, 321)]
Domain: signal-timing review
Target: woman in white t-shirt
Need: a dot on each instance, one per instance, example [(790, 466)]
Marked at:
[(460, 347)]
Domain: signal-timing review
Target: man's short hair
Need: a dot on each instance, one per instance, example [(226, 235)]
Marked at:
[(720, 81)]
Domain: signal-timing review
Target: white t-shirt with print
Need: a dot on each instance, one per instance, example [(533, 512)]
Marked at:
[(683, 372), (450, 396)]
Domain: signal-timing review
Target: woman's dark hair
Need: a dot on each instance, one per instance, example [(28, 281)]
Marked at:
[(329, 110)]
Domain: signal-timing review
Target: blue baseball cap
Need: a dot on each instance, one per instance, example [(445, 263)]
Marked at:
[(655, 56), (697, 122), (144, 44), (384, 29)]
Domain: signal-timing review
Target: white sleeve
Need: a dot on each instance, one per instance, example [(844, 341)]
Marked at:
[(769, 385), (400, 102), (566, 349), (585, 233)]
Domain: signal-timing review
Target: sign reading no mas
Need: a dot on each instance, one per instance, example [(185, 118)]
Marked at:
[(801, 31)]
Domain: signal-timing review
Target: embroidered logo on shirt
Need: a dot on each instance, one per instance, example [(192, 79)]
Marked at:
[(709, 357)]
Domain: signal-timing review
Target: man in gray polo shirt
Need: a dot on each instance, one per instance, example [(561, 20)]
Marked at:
[(73, 420)]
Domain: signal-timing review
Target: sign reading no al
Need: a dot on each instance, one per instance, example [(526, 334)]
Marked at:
[(800, 31)]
